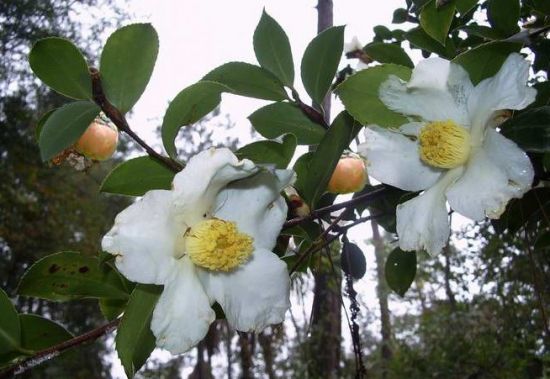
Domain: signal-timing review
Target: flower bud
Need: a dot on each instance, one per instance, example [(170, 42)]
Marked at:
[(98, 142), (349, 176)]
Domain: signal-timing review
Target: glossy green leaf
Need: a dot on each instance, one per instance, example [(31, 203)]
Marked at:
[(38, 333), (419, 38), (437, 21), (134, 339), (503, 16), (388, 53), (112, 308), (137, 176), (10, 330), (69, 275), (246, 79), (277, 119), (127, 62), (62, 67), (272, 49), (270, 152), (400, 15), (40, 124), (485, 60), (323, 160), (188, 107), (320, 62), (530, 130), (400, 270), (359, 93), (65, 126)]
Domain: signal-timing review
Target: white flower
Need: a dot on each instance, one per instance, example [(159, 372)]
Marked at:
[(207, 240), (353, 45), (453, 154)]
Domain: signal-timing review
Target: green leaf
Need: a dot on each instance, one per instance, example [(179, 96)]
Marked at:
[(359, 93), (246, 79), (419, 38), (270, 152), (542, 6), (127, 62), (188, 107), (69, 275), (62, 67), (40, 124), (464, 6), (400, 15), (134, 339), (38, 333), (112, 308), (485, 60), (400, 270), (503, 16), (529, 212), (388, 53), (277, 119), (530, 130), (320, 62), (437, 21), (10, 330), (323, 160), (482, 31), (137, 176), (65, 126), (272, 49)]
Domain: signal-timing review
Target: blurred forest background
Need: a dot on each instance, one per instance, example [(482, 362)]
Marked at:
[(474, 312)]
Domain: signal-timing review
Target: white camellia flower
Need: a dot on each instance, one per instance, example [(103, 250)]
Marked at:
[(207, 240), (453, 154)]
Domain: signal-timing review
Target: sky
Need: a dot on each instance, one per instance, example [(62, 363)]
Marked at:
[(198, 35)]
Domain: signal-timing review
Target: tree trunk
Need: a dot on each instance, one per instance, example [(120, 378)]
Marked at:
[(246, 356), (326, 323), (382, 292), (267, 350)]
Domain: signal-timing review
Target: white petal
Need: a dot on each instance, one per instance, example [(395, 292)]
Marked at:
[(255, 295), (143, 239), (256, 205), (435, 92), (506, 90), (196, 187), (393, 159), (422, 222), (497, 172), (183, 314), (430, 73)]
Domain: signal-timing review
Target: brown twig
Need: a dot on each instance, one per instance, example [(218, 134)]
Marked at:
[(331, 208), (55, 350), (120, 121)]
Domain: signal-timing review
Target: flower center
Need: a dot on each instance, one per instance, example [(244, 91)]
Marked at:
[(444, 144), (217, 245)]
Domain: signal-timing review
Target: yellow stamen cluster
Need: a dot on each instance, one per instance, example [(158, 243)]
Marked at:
[(444, 144), (217, 245)]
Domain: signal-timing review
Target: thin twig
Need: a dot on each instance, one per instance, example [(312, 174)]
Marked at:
[(120, 121), (335, 207), (55, 350)]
